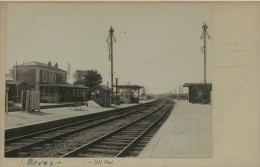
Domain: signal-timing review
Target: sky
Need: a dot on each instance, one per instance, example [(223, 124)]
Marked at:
[(158, 45)]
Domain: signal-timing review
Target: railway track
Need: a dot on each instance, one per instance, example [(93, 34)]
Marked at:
[(127, 140), (23, 146)]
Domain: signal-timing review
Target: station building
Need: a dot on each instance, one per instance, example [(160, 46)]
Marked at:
[(199, 92), (129, 93), (50, 80)]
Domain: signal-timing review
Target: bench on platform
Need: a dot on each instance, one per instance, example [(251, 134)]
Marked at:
[(76, 106)]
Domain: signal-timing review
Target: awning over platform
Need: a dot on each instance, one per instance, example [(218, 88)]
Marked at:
[(196, 84), (129, 86), (65, 85)]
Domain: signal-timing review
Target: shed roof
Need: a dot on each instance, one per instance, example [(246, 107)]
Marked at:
[(101, 86), (129, 86), (196, 84)]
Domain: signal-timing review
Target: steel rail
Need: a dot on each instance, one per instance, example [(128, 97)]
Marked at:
[(76, 123), (8, 141), (13, 152), (140, 137), (76, 151)]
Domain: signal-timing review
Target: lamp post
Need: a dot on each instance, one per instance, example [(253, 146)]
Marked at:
[(6, 99)]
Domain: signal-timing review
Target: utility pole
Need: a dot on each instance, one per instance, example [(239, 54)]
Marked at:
[(110, 40), (203, 36), (117, 86), (117, 99)]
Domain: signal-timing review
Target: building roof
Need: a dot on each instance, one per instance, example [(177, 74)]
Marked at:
[(102, 87), (35, 63), (196, 84), (129, 86)]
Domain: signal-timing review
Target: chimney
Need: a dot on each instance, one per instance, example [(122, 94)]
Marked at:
[(56, 65), (49, 63)]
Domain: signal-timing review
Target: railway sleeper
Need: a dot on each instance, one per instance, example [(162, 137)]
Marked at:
[(119, 140), (37, 148), (129, 134), (9, 148), (98, 150), (67, 137), (109, 147), (133, 153), (94, 155), (41, 137), (136, 148), (133, 130), (72, 148), (123, 137), (23, 154), (62, 131), (47, 135), (30, 140), (141, 145), (149, 136), (61, 153), (144, 141), (19, 144), (47, 145), (58, 141), (140, 125), (114, 143)]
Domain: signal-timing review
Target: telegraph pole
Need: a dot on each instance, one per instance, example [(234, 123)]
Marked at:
[(110, 40), (111, 31), (204, 37)]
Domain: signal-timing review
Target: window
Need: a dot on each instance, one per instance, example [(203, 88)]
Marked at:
[(45, 77), (63, 79), (53, 78)]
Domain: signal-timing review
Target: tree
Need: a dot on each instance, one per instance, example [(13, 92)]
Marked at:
[(89, 78)]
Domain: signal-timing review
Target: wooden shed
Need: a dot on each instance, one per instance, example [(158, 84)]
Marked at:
[(129, 93), (199, 92), (101, 95), (15, 89)]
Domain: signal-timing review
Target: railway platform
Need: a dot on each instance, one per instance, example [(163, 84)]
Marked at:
[(18, 119), (186, 133)]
